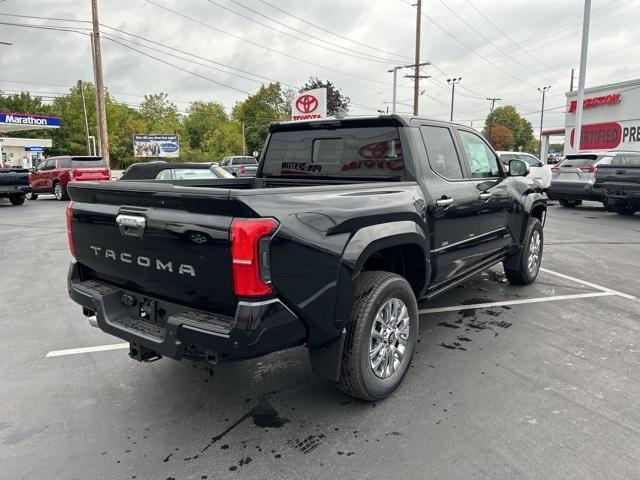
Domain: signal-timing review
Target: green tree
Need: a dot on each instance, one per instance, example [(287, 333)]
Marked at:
[(509, 117), (257, 111), (335, 98), (223, 141), (203, 118), (160, 114)]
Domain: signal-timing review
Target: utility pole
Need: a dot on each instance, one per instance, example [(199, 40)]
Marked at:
[(453, 82), (582, 74), (493, 101), (416, 79), (573, 70), (394, 70), (97, 70), (244, 141), (544, 91), (86, 120)]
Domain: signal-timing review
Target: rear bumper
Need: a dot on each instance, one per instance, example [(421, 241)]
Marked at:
[(623, 191), (14, 189), (175, 331), (574, 191)]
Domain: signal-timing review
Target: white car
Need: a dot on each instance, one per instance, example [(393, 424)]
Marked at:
[(539, 171)]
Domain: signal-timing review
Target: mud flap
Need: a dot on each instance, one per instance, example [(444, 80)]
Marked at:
[(326, 360)]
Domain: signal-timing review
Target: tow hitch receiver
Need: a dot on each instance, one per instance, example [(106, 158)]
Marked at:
[(143, 354)]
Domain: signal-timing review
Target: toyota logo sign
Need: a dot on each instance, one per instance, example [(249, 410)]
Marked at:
[(306, 103), (309, 105)]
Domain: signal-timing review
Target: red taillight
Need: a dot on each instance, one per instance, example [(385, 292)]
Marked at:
[(250, 255), (555, 169), (69, 229), (242, 170), (589, 169)]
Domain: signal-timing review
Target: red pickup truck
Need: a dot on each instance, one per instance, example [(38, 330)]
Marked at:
[(53, 174)]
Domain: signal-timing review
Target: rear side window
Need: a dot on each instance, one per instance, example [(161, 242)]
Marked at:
[(64, 163), (441, 152), (90, 163), (481, 159), (337, 152)]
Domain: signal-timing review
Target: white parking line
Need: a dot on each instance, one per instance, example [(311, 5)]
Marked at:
[(522, 301), (75, 351), (588, 284)]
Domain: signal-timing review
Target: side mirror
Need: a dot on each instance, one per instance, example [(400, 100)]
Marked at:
[(518, 168)]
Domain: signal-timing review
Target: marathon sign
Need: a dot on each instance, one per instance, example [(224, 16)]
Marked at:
[(24, 120), (611, 99), (309, 105)]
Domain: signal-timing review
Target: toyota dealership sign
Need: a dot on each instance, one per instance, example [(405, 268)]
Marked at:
[(309, 105)]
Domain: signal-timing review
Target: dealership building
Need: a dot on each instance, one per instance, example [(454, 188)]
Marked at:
[(610, 118), (19, 151)]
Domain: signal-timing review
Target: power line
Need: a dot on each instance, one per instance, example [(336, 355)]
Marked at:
[(279, 52), (326, 30), (361, 55)]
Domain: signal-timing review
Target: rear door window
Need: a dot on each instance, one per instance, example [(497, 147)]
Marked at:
[(64, 163), (632, 160), (441, 152), (480, 158)]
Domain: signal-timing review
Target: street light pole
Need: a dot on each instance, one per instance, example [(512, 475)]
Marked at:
[(416, 80), (395, 86), (577, 131), (453, 82), (544, 91)]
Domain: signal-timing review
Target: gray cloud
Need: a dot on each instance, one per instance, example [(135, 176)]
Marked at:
[(548, 30)]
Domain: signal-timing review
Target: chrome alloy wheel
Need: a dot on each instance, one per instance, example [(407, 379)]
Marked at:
[(535, 245), (389, 338), (57, 191)]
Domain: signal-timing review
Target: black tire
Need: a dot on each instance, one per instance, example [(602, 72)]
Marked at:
[(626, 210), (357, 377), (569, 203), (60, 192), (517, 267), (17, 199), (32, 196)]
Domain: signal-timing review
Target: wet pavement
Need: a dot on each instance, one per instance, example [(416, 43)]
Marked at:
[(546, 389)]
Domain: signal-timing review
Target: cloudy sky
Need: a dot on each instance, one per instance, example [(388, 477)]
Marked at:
[(500, 48)]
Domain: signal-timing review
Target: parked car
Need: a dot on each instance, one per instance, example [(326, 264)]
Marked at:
[(14, 184), (539, 170), (173, 171), (53, 174), (618, 175), (240, 166), (573, 179), (348, 223)]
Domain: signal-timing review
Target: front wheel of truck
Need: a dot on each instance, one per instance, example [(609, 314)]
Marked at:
[(381, 336), (523, 267)]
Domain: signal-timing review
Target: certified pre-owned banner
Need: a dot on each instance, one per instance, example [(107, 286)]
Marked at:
[(156, 146)]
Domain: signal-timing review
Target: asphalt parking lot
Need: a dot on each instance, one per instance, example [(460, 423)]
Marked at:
[(507, 382)]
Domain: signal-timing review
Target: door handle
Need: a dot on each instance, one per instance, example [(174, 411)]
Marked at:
[(620, 172), (444, 202), (485, 196)]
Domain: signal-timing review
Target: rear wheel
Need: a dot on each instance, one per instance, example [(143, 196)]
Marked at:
[(60, 192), (32, 196), (523, 268), (625, 209), (17, 199), (381, 336), (570, 203)]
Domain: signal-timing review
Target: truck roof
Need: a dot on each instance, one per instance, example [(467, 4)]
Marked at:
[(394, 119)]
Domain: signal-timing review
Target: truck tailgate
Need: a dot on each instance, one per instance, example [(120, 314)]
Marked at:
[(14, 177), (156, 242)]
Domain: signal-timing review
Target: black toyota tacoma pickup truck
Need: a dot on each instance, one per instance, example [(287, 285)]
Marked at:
[(618, 176), (347, 224), (14, 184)]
